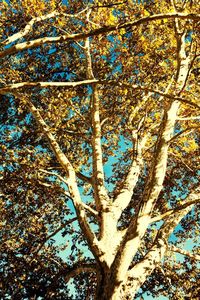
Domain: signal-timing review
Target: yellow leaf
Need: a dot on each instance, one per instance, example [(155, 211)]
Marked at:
[(122, 31), (112, 19), (146, 13)]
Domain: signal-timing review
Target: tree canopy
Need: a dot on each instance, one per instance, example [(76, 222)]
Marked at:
[(99, 143)]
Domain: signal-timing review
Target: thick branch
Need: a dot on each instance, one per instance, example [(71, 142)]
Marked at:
[(102, 30), (14, 86), (87, 268), (84, 177), (100, 193), (29, 27), (159, 164), (125, 195), (70, 272), (139, 224), (139, 272), (137, 275), (79, 268), (188, 118)]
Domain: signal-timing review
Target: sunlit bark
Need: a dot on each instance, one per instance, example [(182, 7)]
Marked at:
[(49, 40), (114, 248)]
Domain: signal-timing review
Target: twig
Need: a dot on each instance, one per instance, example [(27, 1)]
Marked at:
[(184, 252)]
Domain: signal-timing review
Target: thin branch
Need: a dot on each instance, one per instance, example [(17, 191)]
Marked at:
[(78, 174), (82, 47), (84, 177), (181, 161), (186, 131), (77, 269), (91, 210), (54, 174), (102, 30), (109, 5), (54, 233), (188, 118), (175, 210), (87, 207), (44, 183), (184, 252), (151, 90)]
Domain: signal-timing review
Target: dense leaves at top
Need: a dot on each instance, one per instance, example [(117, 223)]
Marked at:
[(137, 70)]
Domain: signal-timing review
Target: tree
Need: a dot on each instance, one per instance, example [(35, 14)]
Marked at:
[(99, 143)]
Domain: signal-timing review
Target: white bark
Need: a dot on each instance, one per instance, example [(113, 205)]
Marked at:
[(42, 84), (102, 30), (29, 25), (70, 173), (137, 228), (115, 250), (184, 252), (137, 275), (125, 195)]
